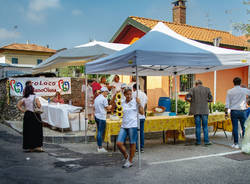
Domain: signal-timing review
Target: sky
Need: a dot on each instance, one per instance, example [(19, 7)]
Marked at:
[(68, 23)]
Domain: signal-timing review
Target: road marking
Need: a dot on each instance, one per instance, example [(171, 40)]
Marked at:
[(194, 158), (68, 159)]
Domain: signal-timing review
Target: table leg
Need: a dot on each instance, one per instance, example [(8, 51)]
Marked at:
[(216, 128), (224, 129), (163, 136), (115, 143), (174, 136)]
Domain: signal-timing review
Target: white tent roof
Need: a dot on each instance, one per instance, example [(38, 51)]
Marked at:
[(164, 52), (79, 55)]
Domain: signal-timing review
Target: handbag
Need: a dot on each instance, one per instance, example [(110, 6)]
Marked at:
[(36, 108)]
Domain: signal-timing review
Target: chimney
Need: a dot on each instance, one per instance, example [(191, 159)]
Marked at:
[(179, 11)]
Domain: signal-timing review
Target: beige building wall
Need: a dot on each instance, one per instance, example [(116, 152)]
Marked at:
[(24, 58)]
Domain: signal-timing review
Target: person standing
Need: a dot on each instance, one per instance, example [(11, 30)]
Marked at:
[(90, 99), (32, 123), (144, 99), (58, 98), (133, 81), (236, 102), (199, 96), (101, 107), (96, 88), (115, 85), (129, 126)]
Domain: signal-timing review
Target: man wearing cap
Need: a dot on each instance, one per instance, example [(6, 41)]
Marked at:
[(101, 107)]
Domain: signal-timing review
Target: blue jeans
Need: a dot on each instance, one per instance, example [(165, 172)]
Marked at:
[(124, 132), (141, 134), (101, 124), (235, 116), (198, 118)]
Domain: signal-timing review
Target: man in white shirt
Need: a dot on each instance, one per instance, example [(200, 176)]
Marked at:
[(143, 99), (101, 107), (236, 102)]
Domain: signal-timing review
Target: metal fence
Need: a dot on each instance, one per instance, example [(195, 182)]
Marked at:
[(186, 82)]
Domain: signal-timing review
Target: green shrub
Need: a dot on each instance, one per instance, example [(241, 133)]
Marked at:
[(220, 107), (182, 106)]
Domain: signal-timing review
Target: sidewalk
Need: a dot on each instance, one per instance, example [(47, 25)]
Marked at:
[(57, 136)]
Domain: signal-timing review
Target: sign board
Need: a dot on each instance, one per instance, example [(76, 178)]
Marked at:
[(42, 86)]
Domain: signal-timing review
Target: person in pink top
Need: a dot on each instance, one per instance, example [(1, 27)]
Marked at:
[(58, 98)]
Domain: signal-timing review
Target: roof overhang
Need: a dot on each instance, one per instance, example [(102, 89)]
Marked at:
[(134, 23)]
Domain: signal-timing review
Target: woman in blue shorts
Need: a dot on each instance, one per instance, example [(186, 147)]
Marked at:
[(129, 126)]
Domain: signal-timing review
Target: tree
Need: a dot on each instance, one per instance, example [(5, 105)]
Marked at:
[(244, 28)]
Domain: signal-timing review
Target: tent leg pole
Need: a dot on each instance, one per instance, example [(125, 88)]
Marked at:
[(138, 121), (86, 111), (215, 81), (176, 96)]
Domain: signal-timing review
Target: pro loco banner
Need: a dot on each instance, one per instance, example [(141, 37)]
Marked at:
[(42, 86)]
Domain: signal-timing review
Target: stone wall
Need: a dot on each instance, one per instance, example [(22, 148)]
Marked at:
[(10, 112)]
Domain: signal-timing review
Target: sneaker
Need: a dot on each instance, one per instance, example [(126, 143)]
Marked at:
[(127, 164), (197, 144), (208, 143), (101, 150), (142, 150), (125, 160), (236, 146)]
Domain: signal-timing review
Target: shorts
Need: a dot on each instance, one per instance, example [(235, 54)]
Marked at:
[(131, 132)]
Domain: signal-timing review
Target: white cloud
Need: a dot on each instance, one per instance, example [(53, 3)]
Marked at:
[(7, 34), (36, 9), (76, 12)]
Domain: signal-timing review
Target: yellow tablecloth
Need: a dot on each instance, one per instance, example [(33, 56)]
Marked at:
[(165, 123)]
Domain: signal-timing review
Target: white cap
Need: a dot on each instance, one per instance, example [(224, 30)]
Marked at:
[(103, 89), (124, 85)]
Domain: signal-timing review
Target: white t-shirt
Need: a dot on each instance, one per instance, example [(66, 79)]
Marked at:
[(144, 100), (117, 87), (129, 119), (100, 103)]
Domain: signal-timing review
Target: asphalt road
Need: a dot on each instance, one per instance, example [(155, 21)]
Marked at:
[(73, 163)]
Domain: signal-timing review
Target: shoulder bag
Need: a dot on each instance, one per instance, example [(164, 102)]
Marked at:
[(36, 108)]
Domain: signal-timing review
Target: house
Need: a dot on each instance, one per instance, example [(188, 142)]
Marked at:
[(135, 27), (16, 59)]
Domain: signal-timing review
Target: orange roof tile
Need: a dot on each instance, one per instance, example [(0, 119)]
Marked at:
[(195, 33), (27, 47)]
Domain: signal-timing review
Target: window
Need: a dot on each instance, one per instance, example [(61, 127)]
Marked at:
[(39, 61), (14, 60), (186, 82)]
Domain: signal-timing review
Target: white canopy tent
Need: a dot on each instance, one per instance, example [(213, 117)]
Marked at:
[(79, 55), (163, 52)]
